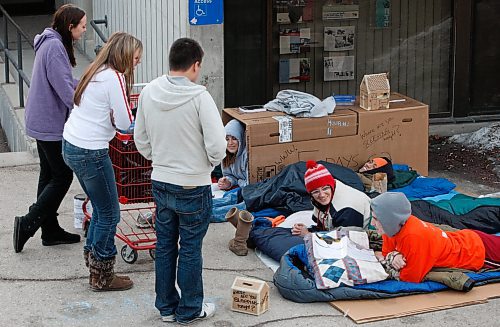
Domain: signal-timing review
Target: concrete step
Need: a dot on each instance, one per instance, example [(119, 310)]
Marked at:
[(12, 159)]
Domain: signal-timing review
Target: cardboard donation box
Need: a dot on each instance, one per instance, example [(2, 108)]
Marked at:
[(250, 296), (349, 137), (374, 92)]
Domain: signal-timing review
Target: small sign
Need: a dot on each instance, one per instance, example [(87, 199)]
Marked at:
[(383, 14), (334, 12), (285, 128), (206, 12)]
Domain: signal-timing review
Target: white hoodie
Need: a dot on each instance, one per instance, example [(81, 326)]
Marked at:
[(179, 128)]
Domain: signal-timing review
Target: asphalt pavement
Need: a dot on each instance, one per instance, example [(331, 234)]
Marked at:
[(47, 286)]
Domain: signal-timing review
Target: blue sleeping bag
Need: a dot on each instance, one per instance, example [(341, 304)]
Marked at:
[(296, 285)]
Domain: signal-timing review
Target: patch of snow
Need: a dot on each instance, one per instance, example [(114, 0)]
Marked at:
[(487, 138)]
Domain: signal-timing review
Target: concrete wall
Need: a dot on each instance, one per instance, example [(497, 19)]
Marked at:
[(158, 23), (212, 40)]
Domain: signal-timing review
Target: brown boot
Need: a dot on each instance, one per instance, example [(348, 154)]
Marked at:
[(103, 277), (238, 245), (232, 216), (86, 258)]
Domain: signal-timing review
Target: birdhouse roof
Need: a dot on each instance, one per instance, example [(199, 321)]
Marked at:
[(377, 82)]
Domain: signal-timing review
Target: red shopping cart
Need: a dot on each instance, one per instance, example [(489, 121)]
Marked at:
[(133, 182)]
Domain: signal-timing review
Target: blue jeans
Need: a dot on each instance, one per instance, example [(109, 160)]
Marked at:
[(182, 218), (222, 205), (94, 171)]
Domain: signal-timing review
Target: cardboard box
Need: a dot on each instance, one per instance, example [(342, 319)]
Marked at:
[(250, 296), (349, 137), (265, 127)]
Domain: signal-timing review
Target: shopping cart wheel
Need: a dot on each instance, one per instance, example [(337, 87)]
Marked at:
[(129, 255), (152, 253)]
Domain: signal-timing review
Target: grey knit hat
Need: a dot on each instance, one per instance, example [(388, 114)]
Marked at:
[(392, 209)]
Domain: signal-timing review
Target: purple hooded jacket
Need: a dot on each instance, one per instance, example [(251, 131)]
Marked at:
[(50, 98)]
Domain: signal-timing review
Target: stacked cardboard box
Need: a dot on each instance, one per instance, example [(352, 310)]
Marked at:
[(349, 137)]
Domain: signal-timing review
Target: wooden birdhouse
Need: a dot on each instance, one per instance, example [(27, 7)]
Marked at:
[(374, 92)]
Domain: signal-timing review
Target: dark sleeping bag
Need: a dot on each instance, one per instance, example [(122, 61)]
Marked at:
[(273, 242), (286, 191), (484, 218)]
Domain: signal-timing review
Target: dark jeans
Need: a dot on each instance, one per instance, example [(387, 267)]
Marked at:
[(182, 218), (95, 173), (53, 183)]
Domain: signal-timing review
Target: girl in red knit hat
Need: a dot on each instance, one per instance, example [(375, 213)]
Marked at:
[(335, 203)]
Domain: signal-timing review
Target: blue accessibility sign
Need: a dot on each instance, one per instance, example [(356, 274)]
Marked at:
[(206, 12)]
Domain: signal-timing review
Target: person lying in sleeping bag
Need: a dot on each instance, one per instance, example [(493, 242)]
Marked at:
[(335, 203), (414, 247)]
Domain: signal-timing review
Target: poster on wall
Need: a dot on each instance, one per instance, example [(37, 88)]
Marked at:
[(340, 38), (340, 9), (294, 70), (383, 14), (338, 68), (295, 40), (293, 11)]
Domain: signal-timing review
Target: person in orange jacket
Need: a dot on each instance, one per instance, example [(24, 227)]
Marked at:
[(415, 246)]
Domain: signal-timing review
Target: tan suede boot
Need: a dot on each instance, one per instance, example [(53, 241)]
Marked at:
[(103, 277), (232, 216), (238, 245)]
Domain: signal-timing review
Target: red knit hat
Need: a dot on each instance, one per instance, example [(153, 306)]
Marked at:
[(317, 176)]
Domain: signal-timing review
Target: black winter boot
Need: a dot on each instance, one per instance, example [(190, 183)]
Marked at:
[(53, 234), (26, 226)]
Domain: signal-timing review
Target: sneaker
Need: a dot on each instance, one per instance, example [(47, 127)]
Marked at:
[(169, 318), (144, 220), (207, 311)]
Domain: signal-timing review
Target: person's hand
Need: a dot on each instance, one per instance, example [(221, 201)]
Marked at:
[(379, 255), (299, 229), (224, 183), (399, 262)]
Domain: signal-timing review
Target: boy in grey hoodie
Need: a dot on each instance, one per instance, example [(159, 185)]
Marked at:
[(179, 128)]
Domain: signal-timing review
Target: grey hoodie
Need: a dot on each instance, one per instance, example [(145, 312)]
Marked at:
[(50, 98), (237, 173), (179, 128)]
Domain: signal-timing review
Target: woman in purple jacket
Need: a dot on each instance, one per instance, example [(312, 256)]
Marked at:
[(49, 104)]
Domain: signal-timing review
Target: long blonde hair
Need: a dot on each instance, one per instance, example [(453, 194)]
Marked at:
[(118, 54)]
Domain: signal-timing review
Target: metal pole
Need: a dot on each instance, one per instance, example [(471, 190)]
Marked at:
[(20, 81), (6, 45)]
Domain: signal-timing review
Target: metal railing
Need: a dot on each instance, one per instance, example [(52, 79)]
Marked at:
[(10, 56), (98, 31)]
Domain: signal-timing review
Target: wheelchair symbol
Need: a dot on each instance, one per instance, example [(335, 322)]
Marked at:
[(201, 10)]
